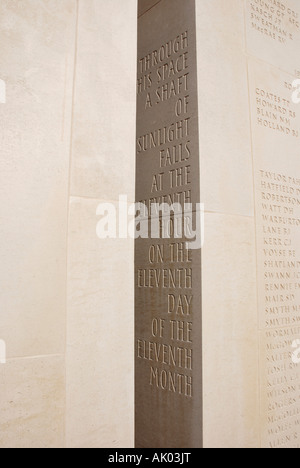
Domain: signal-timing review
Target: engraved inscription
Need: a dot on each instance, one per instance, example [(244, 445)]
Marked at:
[(276, 126), (275, 112), (274, 19), (167, 273), (282, 389), (280, 205), (273, 32), (164, 76), (280, 227), (162, 79)]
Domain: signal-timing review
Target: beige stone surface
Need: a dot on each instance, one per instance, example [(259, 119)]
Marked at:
[(36, 63), (100, 392), (273, 32), (276, 133), (32, 403), (104, 106), (229, 308), (251, 385), (230, 339), (275, 119), (276, 136), (279, 388), (225, 144), (37, 55), (100, 338)]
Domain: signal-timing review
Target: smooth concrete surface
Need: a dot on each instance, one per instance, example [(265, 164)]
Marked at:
[(67, 111)]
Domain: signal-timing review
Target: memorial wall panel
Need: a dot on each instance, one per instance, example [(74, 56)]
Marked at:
[(275, 134), (273, 32)]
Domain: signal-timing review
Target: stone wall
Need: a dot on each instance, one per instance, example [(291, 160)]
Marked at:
[(68, 132)]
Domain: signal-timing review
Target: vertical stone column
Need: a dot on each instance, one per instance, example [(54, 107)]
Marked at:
[(67, 112), (37, 68), (99, 386), (230, 316), (168, 274)]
